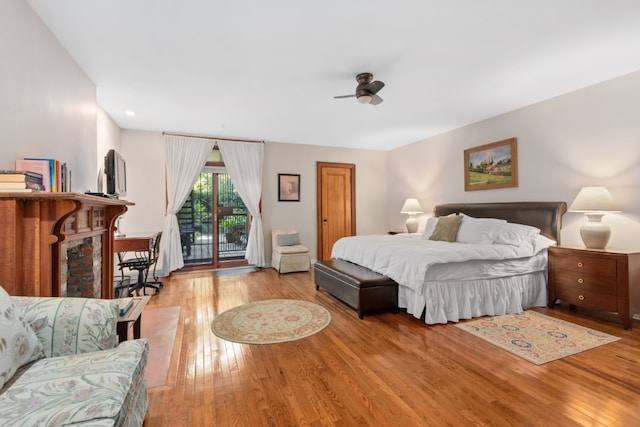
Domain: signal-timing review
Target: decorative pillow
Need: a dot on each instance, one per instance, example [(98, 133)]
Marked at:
[(288, 239), (429, 227), (446, 228), (516, 234), (19, 345)]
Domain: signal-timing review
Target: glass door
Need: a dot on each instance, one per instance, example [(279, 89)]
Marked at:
[(213, 222)]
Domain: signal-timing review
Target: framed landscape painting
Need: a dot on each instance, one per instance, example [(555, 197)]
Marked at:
[(491, 166)]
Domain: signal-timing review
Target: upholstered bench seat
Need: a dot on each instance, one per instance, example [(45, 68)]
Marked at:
[(360, 288)]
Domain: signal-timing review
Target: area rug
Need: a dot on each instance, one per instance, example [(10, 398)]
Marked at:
[(235, 270), (536, 337), (159, 326), (271, 321)]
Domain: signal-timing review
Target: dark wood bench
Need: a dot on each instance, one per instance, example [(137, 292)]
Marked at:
[(360, 288)]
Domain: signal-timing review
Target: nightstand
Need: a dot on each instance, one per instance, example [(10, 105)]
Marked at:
[(605, 280)]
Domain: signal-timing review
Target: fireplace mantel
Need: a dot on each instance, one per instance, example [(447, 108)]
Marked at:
[(33, 227)]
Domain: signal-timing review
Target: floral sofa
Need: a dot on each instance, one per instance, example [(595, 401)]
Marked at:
[(59, 364)]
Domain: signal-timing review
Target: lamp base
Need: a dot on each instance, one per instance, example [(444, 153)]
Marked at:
[(412, 224), (595, 234)]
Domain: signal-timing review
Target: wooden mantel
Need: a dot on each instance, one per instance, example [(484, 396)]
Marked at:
[(33, 227)]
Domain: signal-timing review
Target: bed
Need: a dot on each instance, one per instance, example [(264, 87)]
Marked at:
[(491, 268)]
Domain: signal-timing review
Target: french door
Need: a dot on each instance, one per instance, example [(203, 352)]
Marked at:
[(214, 222)]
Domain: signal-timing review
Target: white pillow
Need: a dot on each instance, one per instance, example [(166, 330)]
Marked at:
[(542, 242), (516, 234), (19, 345), (479, 231)]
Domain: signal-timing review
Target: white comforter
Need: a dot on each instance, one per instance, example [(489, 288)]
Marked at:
[(405, 258)]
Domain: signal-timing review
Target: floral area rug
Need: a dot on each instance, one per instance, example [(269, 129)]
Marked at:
[(536, 337), (271, 321)]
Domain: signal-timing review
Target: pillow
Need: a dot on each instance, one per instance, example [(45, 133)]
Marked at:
[(431, 224), (446, 228), (479, 231), (516, 234), (288, 239), (542, 242), (19, 345), (428, 227)]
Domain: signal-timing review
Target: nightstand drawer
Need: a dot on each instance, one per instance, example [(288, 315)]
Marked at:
[(596, 284), (587, 298), (603, 266)]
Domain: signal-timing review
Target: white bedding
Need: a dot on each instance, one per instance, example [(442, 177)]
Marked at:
[(453, 281), (406, 258)]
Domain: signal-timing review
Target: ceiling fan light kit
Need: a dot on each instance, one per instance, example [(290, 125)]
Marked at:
[(366, 90)]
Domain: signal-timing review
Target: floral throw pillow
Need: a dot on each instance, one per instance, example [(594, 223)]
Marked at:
[(18, 343)]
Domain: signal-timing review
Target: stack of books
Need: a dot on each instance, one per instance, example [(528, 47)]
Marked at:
[(56, 177), (20, 181)]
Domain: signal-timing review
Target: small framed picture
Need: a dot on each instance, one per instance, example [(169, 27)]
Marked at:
[(491, 166), (288, 187)]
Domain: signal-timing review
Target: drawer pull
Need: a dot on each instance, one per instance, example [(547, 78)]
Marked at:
[(580, 265), (581, 297), (581, 280)]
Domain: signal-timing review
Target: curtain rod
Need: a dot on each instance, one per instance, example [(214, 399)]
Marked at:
[(212, 137)]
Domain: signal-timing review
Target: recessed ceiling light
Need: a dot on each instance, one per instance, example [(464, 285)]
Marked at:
[(130, 113)]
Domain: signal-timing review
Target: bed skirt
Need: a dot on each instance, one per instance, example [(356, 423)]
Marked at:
[(454, 300)]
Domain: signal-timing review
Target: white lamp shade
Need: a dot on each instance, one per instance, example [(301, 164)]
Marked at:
[(594, 199), (411, 206)]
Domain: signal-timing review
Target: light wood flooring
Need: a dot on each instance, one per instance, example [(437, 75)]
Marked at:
[(385, 370)]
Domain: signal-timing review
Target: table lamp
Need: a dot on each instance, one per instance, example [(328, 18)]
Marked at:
[(412, 208), (595, 202)]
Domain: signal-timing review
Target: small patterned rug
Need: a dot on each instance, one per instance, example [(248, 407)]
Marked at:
[(536, 337), (271, 321)]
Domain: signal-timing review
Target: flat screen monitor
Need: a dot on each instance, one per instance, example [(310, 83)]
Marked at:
[(115, 168)]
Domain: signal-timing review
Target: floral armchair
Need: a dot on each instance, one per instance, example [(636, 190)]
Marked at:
[(79, 375)]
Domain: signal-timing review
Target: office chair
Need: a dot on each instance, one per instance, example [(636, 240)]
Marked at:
[(142, 263)]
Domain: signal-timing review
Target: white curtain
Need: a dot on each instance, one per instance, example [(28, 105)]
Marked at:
[(186, 157), (243, 161)]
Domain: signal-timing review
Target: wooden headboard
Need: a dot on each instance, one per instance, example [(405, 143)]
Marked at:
[(547, 216)]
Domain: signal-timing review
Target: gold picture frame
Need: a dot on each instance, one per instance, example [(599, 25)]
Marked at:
[(491, 166)]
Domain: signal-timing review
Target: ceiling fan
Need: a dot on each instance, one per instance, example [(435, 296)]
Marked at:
[(366, 90)]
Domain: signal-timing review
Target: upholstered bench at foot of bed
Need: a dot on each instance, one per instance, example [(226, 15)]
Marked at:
[(360, 288)]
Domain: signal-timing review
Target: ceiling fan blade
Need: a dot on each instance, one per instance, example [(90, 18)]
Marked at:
[(374, 87), (375, 100), (345, 96)]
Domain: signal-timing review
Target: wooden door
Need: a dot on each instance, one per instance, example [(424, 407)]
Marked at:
[(336, 205)]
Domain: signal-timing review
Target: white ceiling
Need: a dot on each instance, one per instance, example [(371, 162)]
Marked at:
[(269, 69)]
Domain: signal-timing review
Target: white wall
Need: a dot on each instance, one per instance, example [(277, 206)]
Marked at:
[(108, 137), (145, 156), (47, 103), (144, 153), (590, 137)]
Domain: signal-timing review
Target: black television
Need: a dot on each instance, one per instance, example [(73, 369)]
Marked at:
[(115, 168)]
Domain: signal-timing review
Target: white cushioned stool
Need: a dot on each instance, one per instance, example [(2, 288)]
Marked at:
[(288, 255)]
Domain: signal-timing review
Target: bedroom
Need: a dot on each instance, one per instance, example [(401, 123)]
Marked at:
[(587, 137)]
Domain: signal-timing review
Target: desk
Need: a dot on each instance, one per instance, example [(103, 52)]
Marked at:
[(133, 315), (136, 242)]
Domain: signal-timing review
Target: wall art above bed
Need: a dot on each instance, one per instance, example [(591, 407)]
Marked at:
[(491, 166)]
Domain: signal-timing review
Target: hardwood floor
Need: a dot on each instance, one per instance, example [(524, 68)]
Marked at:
[(385, 370)]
